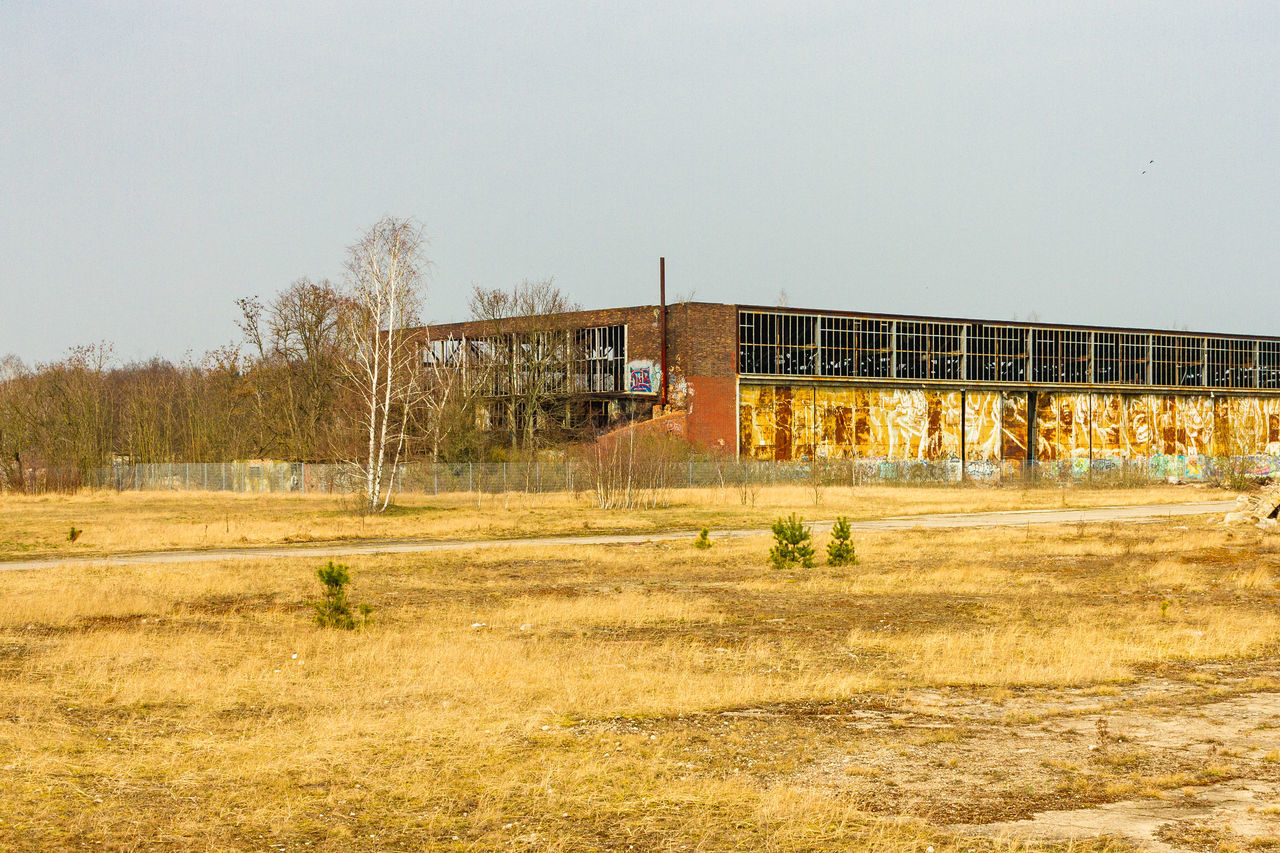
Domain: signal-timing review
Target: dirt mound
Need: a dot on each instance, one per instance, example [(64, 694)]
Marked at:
[(1260, 510)]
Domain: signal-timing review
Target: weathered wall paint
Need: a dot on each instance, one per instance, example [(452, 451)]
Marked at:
[(982, 426), (785, 422)]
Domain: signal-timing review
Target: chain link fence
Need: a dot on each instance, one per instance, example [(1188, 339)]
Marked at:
[(568, 475)]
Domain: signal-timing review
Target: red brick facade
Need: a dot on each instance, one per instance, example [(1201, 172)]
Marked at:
[(703, 345)]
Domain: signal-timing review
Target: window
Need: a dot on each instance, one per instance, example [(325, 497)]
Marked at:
[(600, 359), (781, 343)]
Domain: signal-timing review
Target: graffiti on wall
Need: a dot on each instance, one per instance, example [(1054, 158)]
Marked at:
[(1079, 431), (640, 377)]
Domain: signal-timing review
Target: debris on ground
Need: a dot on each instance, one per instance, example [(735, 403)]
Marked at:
[(1260, 510)]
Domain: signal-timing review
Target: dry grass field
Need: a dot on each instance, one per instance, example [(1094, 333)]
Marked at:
[(114, 522), (962, 690)]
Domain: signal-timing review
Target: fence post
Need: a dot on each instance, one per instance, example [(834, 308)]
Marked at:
[(435, 477), (537, 477), (469, 486), (504, 477)]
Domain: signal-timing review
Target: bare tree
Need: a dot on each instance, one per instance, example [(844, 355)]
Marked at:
[(78, 413), (385, 270), (15, 399), (457, 374), (530, 351), (297, 352)]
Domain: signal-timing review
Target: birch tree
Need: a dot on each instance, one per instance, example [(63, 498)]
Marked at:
[(384, 275)]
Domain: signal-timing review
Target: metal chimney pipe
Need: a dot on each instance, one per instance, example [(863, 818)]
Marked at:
[(662, 322)]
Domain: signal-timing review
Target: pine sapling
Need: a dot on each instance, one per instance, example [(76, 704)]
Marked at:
[(840, 551), (703, 540), (792, 544), (334, 611)]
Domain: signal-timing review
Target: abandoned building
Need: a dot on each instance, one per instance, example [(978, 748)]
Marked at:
[(789, 384)]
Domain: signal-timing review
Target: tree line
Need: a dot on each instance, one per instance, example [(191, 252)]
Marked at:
[(322, 371)]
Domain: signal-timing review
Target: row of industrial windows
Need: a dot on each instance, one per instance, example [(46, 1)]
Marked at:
[(588, 360), (785, 344)]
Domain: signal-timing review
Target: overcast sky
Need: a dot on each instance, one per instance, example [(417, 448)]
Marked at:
[(158, 160)]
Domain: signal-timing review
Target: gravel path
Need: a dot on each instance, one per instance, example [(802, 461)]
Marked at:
[(940, 521)]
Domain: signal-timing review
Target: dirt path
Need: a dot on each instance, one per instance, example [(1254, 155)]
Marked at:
[(1171, 764), (1232, 745), (1007, 518)]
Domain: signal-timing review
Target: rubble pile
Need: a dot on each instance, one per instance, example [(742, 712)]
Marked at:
[(1261, 510)]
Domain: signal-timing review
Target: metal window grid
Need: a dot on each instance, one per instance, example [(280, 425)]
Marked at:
[(787, 343), (1061, 356), (1120, 358), (1230, 363), (1177, 361), (599, 358), (924, 350), (585, 360), (1269, 364), (997, 353)]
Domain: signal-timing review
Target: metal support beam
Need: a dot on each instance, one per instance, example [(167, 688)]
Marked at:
[(893, 350), (1204, 362)]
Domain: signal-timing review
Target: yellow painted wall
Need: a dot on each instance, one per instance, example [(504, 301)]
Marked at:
[(784, 422)]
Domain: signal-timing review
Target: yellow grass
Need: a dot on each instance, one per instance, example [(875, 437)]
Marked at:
[(587, 698), (113, 523)]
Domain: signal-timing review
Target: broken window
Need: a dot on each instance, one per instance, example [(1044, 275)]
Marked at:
[(996, 353), (1230, 362), (444, 352), (928, 350), (1177, 360), (1269, 364), (1061, 356), (1120, 358), (600, 359), (780, 343)]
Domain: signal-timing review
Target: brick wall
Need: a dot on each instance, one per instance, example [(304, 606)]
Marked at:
[(702, 354)]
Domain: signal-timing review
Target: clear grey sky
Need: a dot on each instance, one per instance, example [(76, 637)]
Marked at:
[(158, 160)]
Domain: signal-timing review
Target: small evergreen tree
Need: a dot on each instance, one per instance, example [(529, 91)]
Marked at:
[(334, 611), (703, 540), (840, 551), (792, 544)]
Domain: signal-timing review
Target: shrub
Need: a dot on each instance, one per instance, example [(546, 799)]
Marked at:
[(792, 544), (74, 534), (703, 540), (334, 611), (628, 469), (840, 551)]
